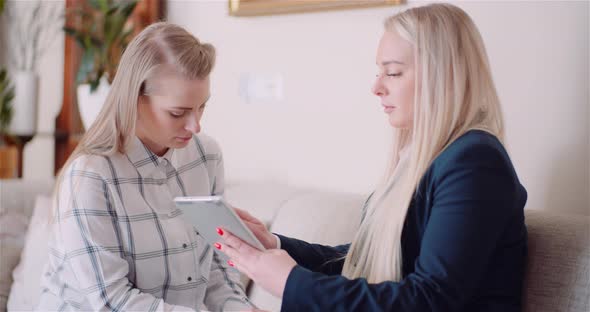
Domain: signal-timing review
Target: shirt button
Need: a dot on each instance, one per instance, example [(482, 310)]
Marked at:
[(184, 245), (189, 279)]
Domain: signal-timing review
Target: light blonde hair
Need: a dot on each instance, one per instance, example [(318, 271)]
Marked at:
[(454, 93), (159, 47)]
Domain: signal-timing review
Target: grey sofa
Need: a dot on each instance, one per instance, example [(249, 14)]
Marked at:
[(558, 269)]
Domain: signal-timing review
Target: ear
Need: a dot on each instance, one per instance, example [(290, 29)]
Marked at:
[(143, 99)]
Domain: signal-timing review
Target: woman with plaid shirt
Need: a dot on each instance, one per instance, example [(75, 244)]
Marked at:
[(118, 241)]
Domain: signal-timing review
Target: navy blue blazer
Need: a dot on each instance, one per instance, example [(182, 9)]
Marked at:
[(464, 243)]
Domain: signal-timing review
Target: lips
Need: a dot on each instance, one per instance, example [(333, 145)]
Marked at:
[(387, 108)]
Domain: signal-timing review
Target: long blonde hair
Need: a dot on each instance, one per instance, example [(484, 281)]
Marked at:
[(454, 93), (160, 46)]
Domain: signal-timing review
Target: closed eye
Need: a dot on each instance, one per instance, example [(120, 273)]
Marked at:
[(394, 74), (177, 114)]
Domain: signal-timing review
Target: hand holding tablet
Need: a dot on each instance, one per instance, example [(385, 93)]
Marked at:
[(207, 213)]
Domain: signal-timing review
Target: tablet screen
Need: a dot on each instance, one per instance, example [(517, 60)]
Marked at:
[(206, 213)]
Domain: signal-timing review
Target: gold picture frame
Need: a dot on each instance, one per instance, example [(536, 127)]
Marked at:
[(272, 7)]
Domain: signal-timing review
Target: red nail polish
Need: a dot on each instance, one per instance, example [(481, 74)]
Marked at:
[(219, 231), (230, 263), (217, 245)]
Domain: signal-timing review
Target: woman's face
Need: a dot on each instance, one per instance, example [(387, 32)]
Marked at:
[(396, 79), (171, 112)]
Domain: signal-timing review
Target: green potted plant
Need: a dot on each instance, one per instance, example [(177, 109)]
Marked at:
[(8, 153), (6, 97), (102, 29)]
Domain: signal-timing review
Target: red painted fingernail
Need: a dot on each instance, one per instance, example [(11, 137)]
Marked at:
[(219, 231), (230, 263), (217, 245)]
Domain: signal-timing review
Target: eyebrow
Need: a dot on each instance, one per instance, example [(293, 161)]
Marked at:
[(190, 108), (385, 63)]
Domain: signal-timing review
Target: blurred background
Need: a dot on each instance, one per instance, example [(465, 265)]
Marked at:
[(291, 98)]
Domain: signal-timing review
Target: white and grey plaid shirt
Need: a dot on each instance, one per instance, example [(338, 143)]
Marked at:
[(119, 243)]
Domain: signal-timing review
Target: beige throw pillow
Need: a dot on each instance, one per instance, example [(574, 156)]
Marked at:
[(25, 290), (13, 227)]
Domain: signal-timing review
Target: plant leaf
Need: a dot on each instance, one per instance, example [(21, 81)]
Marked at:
[(6, 97), (115, 23), (9, 95), (77, 35), (86, 66), (127, 8), (113, 28), (3, 86), (105, 5), (101, 5), (94, 85), (112, 10)]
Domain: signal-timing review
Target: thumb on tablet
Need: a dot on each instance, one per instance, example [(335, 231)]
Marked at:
[(245, 215)]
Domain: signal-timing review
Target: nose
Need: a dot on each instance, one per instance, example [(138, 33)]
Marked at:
[(193, 123), (378, 88)]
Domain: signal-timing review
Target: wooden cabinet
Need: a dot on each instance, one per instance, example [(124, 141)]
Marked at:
[(9, 162)]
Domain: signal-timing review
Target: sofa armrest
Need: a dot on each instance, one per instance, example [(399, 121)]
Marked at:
[(18, 195), (558, 262)]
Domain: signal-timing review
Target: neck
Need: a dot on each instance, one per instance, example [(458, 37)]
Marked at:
[(153, 146)]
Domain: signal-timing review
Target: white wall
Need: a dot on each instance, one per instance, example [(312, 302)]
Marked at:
[(329, 130)]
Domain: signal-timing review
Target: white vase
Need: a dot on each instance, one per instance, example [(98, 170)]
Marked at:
[(24, 118), (89, 103)]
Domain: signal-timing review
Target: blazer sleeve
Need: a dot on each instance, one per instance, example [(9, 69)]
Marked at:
[(473, 194), (314, 257)]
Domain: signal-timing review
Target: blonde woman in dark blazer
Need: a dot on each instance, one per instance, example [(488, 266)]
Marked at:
[(444, 231)]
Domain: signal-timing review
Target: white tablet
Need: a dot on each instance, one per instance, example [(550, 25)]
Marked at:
[(207, 213)]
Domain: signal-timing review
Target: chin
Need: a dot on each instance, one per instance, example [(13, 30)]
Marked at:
[(399, 124), (394, 122), (179, 144)]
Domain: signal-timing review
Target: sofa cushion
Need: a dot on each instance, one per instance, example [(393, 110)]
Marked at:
[(13, 227), (25, 290), (17, 199), (316, 217), (320, 217), (558, 268), (18, 195), (260, 198)]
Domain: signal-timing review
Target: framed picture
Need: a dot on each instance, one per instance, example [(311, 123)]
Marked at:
[(271, 7)]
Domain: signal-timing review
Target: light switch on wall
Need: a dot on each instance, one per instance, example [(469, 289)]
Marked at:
[(261, 87)]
